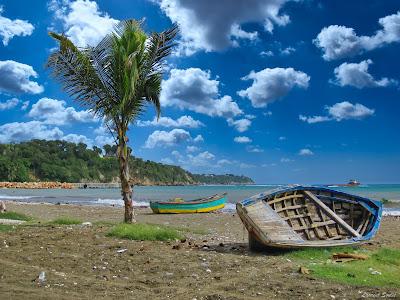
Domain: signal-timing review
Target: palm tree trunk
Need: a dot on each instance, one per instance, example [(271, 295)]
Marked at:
[(126, 190)]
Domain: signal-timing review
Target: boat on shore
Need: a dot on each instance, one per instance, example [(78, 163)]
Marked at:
[(179, 206), (305, 217)]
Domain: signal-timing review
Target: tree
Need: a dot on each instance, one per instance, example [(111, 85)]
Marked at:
[(116, 80)]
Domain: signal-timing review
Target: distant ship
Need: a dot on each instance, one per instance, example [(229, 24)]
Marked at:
[(352, 183)]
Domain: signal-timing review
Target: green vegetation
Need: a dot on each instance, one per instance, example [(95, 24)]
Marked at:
[(144, 232), (382, 268), (221, 179), (14, 216), (385, 201), (5, 228), (66, 221), (40, 160)]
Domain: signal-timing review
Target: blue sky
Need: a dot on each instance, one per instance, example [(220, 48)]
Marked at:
[(282, 91)]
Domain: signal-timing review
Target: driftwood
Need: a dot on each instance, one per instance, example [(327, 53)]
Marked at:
[(2, 207), (350, 255)]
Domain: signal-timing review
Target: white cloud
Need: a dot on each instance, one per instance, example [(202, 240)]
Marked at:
[(210, 25), (287, 51), (15, 78), (305, 152), (338, 42), (160, 138), (23, 131), (82, 21), (9, 104), (240, 125), (191, 149), (267, 53), (222, 162), (254, 149), (267, 113), (357, 75), (184, 121), (52, 111), (193, 89), (341, 111), (199, 138), (271, 84), (10, 28), (242, 139), (202, 159), (286, 160), (167, 161), (25, 105), (77, 138), (282, 138)]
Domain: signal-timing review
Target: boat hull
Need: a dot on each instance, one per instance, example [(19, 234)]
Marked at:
[(199, 206), (309, 217)]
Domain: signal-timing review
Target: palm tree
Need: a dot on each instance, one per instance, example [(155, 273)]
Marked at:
[(116, 80)]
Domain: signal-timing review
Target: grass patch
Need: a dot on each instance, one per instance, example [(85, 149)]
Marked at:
[(144, 232), (385, 261), (5, 228), (66, 221), (11, 215)]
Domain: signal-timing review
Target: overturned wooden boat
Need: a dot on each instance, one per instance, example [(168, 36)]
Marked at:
[(302, 217), (201, 205)]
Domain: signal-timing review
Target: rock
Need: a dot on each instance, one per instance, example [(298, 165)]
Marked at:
[(183, 240), (2, 207), (40, 279), (304, 270), (176, 247), (208, 270), (122, 250), (86, 224), (374, 272)]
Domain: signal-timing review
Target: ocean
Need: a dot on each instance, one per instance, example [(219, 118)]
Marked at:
[(143, 194)]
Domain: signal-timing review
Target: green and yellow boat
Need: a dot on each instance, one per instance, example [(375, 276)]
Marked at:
[(179, 206)]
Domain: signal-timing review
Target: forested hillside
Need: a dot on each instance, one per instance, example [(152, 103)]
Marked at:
[(40, 160)]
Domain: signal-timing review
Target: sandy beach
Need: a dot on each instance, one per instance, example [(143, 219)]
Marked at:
[(212, 263)]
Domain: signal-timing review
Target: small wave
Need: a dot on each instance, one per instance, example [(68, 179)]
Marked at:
[(8, 197), (394, 212), (120, 202)]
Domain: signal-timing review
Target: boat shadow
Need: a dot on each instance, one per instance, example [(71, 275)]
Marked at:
[(243, 249)]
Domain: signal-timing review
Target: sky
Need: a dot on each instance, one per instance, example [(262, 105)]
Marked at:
[(282, 91)]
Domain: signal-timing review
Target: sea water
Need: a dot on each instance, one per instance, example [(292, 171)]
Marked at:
[(142, 195)]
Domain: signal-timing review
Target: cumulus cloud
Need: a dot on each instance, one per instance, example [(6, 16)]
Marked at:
[(15, 78), (286, 160), (199, 138), (242, 139), (341, 111), (305, 152), (357, 75), (240, 125), (200, 160), (184, 121), (210, 25), (271, 84), (254, 149), (10, 28), (78, 138), (82, 21), (267, 53), (25, 105), (9, 104), (191, 149), (338, 42), (160, 138), (193, 89), (52, 111), (287, 51), (23, 131)]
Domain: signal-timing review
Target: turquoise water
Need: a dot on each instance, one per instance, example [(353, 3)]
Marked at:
[(144, 194)]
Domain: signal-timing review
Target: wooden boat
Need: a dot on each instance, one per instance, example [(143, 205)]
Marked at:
[(302, 217), (190, 206)]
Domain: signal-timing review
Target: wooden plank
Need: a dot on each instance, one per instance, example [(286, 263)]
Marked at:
[(291, 207), (331, 214), (278, 199)]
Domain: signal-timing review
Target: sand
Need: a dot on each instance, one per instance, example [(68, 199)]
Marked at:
[(213, 263)]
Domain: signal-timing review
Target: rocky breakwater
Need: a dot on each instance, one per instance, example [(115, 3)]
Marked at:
[(36, 185)]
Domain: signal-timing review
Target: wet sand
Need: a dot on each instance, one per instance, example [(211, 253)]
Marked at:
[(213, 262)]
